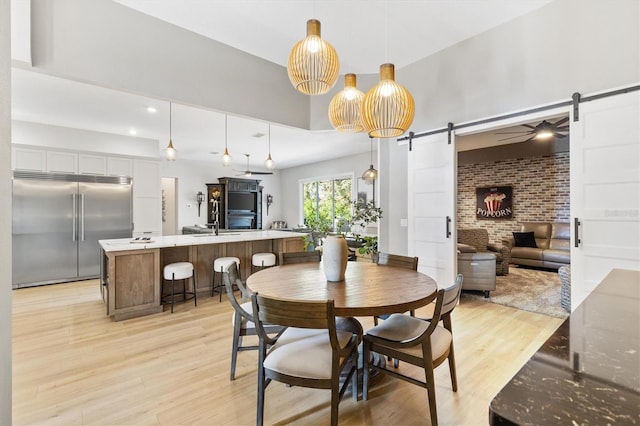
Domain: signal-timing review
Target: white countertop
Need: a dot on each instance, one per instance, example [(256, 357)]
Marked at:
[(123, 244)]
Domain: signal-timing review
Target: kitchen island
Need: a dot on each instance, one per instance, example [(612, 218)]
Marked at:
[(131, 270), (588, 371)]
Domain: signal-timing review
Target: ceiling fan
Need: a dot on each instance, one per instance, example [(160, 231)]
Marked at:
[(248, 172), (543, 131)]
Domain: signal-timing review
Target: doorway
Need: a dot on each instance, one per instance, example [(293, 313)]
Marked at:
[(536, 176), (169, 202)]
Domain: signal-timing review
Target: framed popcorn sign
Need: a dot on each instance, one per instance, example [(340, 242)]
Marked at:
[(495, 202)]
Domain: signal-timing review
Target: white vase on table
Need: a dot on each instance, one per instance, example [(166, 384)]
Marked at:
[(334, 257)]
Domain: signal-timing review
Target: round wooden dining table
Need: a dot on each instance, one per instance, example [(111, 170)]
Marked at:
[(368, 288)]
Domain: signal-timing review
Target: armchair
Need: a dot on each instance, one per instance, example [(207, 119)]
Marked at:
[(478, 239)]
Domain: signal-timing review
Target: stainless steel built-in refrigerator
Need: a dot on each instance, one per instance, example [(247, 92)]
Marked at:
[(58, 220)]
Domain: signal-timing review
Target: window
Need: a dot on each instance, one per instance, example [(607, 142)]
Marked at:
[(327, 203)]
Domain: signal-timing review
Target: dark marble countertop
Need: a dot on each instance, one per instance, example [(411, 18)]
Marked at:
[(588, 371)]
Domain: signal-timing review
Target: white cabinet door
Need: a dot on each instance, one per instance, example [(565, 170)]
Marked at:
[(605, 190), (147, 197), (147, 216), (146, 178), (431, 210), (29, 159), (92, 164), (62, 162), (117, 166)]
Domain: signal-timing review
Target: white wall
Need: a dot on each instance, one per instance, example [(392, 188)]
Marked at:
[(44, 135), (5, 213), (290, 180), (103, 42), (564, 47)]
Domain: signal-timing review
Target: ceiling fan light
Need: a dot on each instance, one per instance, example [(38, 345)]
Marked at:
[(388, 108), (345, 109), (313, 63), (170, 153), (544, 134)]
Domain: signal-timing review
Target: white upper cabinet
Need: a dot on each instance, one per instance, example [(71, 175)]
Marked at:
[(117, 166), (29, 159), (62, 162), (89, 164)]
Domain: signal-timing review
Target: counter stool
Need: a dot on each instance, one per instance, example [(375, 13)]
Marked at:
[(219, 265), (262, 260), (179, 271)]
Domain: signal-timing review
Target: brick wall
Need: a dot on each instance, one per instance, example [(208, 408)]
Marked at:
[(540, 192)]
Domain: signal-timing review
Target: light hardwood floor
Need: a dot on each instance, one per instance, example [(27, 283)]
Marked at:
[(72, 365)]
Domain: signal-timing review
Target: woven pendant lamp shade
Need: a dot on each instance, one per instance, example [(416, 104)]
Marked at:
[(313, 63), (388, 108), (345, 109)]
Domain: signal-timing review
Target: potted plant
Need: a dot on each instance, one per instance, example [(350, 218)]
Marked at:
[(365, 214), (319, 228)]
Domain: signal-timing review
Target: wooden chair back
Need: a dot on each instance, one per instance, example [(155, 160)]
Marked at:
[(299, 257), (231, 277), (452, 295), (398, 261)]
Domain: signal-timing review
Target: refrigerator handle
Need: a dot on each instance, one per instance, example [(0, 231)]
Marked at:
[(74, 217), (81, 217)]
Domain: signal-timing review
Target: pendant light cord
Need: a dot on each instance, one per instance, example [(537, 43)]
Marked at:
[(386, 35), (225, 132), (169, 121)]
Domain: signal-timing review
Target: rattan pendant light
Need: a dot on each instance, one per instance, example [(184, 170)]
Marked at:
[(388, 108), (269, 163), (170, 153), (345, 109), (313, 63), (370, 175), (226, 158)]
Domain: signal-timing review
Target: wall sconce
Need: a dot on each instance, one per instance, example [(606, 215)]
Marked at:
[(199, 199), (269, 202)]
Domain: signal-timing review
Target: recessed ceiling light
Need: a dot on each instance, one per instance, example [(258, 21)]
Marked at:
[(133, 132), (151, 109)]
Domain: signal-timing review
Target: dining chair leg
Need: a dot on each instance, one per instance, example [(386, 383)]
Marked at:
[(235, 344), (365, 370), (335, 400), (446, 320), (431, 389), (261, 385), (354, 378)]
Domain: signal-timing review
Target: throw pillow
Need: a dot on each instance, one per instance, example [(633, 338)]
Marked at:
[(525, 239)]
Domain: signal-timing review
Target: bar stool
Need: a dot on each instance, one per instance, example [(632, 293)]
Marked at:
[(179, 271), (219, 266), (262, 260)]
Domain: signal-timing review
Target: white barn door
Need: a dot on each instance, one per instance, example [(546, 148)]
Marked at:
[(605, 190), (431, 210)]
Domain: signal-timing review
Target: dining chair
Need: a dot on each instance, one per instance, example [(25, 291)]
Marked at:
[(399, 261), (450, 301), (299, 257), (311, 352), (421, 343), (243, 323)]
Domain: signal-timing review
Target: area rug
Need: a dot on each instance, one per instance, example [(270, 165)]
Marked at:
[(528, 289)]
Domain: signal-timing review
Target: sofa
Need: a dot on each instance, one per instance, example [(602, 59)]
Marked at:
[(476, 240), (541, 244)]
